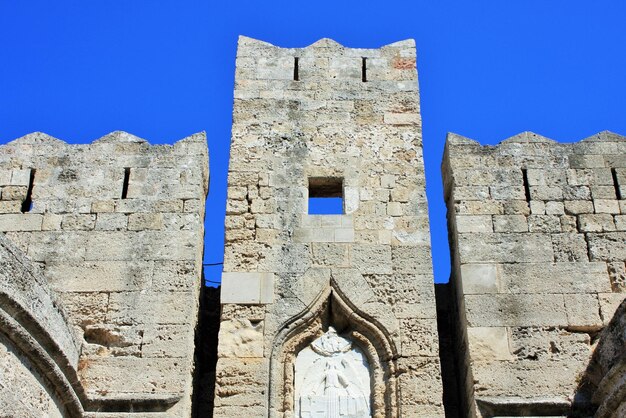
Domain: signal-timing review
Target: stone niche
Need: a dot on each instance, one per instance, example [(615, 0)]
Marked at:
[(332, 379)]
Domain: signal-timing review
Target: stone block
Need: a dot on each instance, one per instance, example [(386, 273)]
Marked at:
[(544, 223), (479, 278), (21, 222), (505, 248), (565, 277), (569, 247), (419, 338), (609, 302), (606, 206), (155, 307), (111, 221), (549, 344), (167, 341), (128, 376), (143, 221), (489, 343), (596, 223), (247, 288), (78, 222), (583, 311), (369, 258), (608, 246), (100, 276), (518, 310), (576, 207), (510, 223), (469, 224), (20, 178), (241, 338)]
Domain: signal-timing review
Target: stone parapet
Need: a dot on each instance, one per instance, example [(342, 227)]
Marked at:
[(537, 241)]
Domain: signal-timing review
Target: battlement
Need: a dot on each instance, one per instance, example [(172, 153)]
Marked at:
[(538, 238), (117, 229)]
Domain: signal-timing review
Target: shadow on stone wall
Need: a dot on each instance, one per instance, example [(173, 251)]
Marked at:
[(602, 388), (206, 352)]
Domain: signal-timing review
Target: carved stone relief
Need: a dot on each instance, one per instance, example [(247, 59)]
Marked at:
[(332, 379)]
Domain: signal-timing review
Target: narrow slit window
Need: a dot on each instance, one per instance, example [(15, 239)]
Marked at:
[(364, 69), (526, 186), (325, 196), (125, 184), (296, 69), (27, 204), (618, 191)]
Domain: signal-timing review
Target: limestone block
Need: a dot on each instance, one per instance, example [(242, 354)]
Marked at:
[(515, 310), (606, 206), (372, 258), (609, 246), (241, 338), (331, 254), (569, 247), (468, 224), (128, 308), (351, 282), (504, 247), (86, 308), (602, 192), (419, 338), (10, 206), (308, 286), (583, 310), (528, 378), (14, 192), (111, 221), (247, 288), (78, 222), (544, 223), (596, 223), (553, 344), (555, 208), (420, 383), (576, 193), (105, 206), (167, 340), (479, 278), (609, 302), (100, 276), (133, 376), (5, 177), (484, 207), (537, 207), (565, 277), (20, 222), (489, 343), (509, 223), (143, 221), (620, 222), (241, 383)]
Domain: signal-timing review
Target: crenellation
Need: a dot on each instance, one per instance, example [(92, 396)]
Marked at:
[(535, 290)]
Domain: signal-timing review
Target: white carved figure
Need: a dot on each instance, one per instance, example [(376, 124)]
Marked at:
[(332, 379)]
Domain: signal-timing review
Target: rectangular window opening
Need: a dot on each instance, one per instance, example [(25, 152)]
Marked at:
[(364, 69), (526, 186), (27, 204), (296, 69), (325, 196), (125, 184), (618, 192)]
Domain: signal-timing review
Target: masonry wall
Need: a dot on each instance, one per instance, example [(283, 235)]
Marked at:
[(538, 238), (116, 227), (290, 275)]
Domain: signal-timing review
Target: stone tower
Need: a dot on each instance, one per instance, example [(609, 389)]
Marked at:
[(100, 272), (538, 236), (327, 314)]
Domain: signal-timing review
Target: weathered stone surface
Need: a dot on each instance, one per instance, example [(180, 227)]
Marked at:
[(365, 271), (127, 279), (536, 291)]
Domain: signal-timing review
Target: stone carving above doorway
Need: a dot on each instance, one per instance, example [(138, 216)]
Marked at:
[(332, 379)]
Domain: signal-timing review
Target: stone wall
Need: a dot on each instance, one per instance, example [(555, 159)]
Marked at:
[(327, 119), (538, 238), (116, 227), (38, 348)]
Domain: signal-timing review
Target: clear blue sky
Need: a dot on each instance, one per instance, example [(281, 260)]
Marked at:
[(164, 69)]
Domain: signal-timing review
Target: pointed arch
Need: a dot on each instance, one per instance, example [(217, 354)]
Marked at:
[(332, 308)]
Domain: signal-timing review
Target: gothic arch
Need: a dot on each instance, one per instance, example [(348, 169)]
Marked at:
[(332, 308)]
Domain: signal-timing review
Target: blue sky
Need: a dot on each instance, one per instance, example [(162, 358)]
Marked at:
[(164, 69)]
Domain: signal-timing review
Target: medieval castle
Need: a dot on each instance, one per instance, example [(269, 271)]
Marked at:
[(103, 313)]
